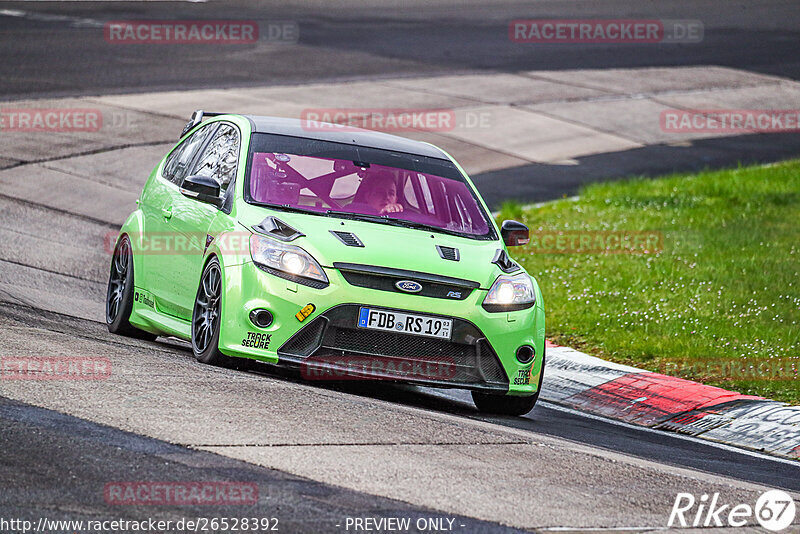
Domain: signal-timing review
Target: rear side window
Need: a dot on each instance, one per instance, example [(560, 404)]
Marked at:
[(177, 163), (220, 158)]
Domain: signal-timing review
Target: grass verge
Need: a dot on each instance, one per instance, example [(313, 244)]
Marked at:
[(709, 291)]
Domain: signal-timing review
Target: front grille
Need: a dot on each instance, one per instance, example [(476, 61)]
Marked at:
[(332, 341), (385, 279)]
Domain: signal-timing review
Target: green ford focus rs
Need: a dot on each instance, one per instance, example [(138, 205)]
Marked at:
[(345, 253)]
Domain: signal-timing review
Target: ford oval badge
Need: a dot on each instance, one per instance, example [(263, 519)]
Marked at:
[(409, 286)]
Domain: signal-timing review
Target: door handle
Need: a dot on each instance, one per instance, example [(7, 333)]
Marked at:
[(167, 212)]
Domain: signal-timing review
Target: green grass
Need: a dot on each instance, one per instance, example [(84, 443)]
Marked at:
[(725, 287)]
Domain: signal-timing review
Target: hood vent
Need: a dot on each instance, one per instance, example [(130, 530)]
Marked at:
[(348, 238), (448, 253), (506, 264), (277, 228)]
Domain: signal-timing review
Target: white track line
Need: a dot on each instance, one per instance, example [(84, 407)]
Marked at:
[(551, 405), (694, 439)]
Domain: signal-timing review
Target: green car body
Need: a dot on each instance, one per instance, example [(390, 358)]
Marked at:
[(174, 234)]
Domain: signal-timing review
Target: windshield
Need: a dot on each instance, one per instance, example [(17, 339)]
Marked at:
[(361, 187)]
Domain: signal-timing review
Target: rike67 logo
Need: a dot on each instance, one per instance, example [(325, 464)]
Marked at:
[(774, 510)]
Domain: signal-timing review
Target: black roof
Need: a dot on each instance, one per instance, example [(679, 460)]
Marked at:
[(351, 136)]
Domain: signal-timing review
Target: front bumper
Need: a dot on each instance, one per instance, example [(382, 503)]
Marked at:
[(332, 347), (327, 346)]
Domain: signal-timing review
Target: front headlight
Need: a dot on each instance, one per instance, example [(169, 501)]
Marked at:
[(510, 293), (287, 261)]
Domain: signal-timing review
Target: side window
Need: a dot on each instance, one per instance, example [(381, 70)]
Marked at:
[(176, 165), (220, 158)]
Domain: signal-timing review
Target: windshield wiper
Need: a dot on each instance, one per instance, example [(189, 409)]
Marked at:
[(385, 219), (286, 207), (359, 216), (423, 226)]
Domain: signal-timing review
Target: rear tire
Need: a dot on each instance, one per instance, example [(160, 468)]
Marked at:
[(206, 317), (119, 296), (507, 404)]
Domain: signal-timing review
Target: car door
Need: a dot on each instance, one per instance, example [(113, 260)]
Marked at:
[(192, 218), (158, 243)]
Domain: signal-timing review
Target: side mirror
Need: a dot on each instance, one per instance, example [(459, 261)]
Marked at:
[(514, 233), (202, 188)]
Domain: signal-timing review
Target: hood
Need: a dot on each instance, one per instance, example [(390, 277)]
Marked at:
[(387, 246)]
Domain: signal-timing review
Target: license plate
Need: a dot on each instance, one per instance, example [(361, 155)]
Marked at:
[(405, 323)]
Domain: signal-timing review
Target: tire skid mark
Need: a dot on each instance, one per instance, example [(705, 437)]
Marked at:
[(88, 153)]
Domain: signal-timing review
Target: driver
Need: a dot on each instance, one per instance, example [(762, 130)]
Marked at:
[(378, 191)]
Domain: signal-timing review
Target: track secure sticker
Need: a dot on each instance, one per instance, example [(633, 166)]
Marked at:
[(307, 310), (523, 377), (143, 298), (255, 340)]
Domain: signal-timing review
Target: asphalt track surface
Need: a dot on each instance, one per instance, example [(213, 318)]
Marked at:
[(58, 446), (66, 54), (336, 450), (51, 49), (56, 465)]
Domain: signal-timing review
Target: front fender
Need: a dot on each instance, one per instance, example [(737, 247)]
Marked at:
[(132, 227)]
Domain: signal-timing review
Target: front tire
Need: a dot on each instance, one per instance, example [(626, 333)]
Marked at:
[(206, 316), (119, 296), (505, 404)]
